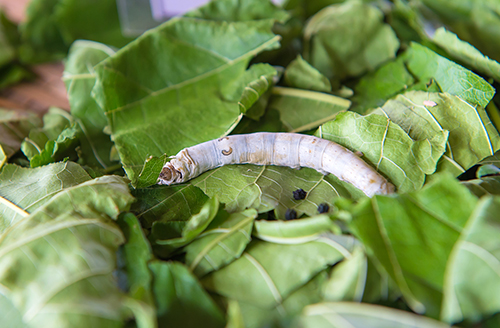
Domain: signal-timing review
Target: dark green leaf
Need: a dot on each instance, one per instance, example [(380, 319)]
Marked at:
[(95, 20), (249, 87), (376, 88), (136, 253), (168, 207), (79, 77), (150, 171), (475, 21), (300, 74), (348, 40), (51, 26), (181, 300), (53, 141), (42, 39), (405, 20), (484, 186), (302, 110), (14, 127), (193, 227)]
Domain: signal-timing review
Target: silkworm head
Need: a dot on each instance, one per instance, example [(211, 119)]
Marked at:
[(169, 175)]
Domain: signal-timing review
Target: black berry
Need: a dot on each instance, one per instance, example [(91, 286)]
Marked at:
[(290, 214), (299, 194), (323, 208)]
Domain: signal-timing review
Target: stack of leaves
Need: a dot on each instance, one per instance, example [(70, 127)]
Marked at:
[(87, 238)]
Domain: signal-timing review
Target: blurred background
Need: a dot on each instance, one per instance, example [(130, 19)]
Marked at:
[(47, 89)]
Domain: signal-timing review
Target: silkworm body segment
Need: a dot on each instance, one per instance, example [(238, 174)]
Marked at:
[(282, 149)]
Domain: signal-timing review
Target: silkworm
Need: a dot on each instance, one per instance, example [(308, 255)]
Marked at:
[(282, 149)]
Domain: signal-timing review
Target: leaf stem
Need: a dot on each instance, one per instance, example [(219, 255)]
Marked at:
[(13, 207)]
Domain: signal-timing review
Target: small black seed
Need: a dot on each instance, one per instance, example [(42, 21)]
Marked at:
[(290, 214), (323, 208), (299, 194)]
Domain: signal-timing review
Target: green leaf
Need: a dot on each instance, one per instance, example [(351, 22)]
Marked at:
[(375, 88), (475, 21), (258, 278), (489, 185), (239, 11), (223, 241), (8, 32), (300, 74), (79, 77), (347, 279), (57, 149), (466, 53), (472, 136), (150, 171), (406, 21), (135, 255), (14, 127), (233, 317), (255, 316), (292, 232), (249, 88), (294, 106), (269, 122), (193, 227), (181, 300), (42, 39), (387, 147), (485, 170), (341, 314), (473, 265), (13, 74), (412, 236), (169, 207), (51, 26), (24, 190), (95, 20), (64, 255), (493, 160), (348, 39), (161, 103), (54, 141), (452, 78), (269, 187)]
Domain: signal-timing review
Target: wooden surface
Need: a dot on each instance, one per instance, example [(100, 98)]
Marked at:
[(47, 90)]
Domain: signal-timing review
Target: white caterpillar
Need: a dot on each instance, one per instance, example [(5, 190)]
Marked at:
[(282, 149)]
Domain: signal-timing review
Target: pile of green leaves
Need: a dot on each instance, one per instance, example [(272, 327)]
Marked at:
[(87, 239)]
